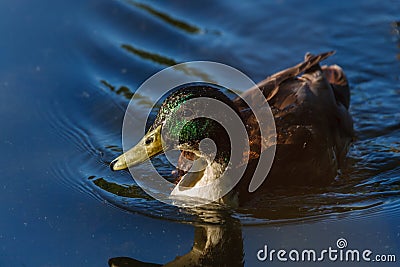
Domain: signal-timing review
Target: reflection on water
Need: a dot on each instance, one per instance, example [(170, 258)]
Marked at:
[(165, 17), (119, 189), (156, 58), (122, 90), (216, 243)]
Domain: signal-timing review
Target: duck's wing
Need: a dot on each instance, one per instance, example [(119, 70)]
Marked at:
[(271, 85), (284, 89), (273, 82)]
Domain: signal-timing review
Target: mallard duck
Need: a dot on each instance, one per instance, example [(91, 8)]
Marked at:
[(314, 128)]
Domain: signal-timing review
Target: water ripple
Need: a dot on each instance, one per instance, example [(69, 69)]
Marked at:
[(166, 18), (162, 60)]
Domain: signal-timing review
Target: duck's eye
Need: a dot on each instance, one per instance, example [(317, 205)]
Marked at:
[(187, 113), (149, 140)]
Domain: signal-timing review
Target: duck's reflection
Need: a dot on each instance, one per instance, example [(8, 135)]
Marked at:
[(215, 244)]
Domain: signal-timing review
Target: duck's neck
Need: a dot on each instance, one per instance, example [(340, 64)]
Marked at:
[(212, 172), (197, 183)]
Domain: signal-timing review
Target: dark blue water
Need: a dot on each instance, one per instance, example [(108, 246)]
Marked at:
[(68, 70)]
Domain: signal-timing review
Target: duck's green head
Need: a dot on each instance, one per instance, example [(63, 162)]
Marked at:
[(181, 125)]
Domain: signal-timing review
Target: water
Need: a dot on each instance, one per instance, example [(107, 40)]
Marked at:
[(69, 70)]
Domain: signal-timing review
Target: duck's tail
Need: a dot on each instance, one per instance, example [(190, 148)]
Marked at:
[(336, 77)]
